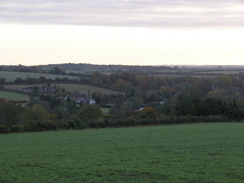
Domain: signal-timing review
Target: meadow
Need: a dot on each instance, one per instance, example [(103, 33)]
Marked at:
[(11, 76), (13, 96), (173, 153), (81, 88), (86, 88)]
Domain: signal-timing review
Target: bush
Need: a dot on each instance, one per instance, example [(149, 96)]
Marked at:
[(146, 121), (30, 126), (4, 129), (72, 125), (33, 125), (80, 123), (17, 128), (113, 123), (50, 126), (63, 125), (96, 123)]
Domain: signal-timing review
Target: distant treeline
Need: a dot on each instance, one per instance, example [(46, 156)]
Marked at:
[(148, 100)]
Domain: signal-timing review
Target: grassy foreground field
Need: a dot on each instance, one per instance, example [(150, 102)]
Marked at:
[(176, 153)]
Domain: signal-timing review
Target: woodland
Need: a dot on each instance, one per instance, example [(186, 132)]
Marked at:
[(179, 95)]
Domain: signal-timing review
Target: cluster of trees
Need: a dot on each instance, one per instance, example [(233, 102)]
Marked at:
[(42, 79), (149, 100), (41, 115)]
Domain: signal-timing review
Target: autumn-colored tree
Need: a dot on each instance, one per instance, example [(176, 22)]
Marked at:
[(223, 82), (97, 82), (98, 96), (160, 81), (120, 84), (127, 76), (151, 96), (128, 86), (166, 91), (148, 112), (216, 93), (143, 81)]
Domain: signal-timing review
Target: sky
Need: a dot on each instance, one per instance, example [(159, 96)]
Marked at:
[(124, 32)]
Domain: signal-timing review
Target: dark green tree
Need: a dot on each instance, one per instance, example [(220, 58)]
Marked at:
[(234, 111), (10, 114), (89, 112), (211, 106)]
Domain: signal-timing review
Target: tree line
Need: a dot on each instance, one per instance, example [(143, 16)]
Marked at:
[(149, 100)]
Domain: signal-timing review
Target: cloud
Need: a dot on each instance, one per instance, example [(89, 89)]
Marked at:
[(179, 14)]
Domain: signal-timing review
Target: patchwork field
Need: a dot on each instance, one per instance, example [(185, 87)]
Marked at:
[(86, 88), (13, 96), (71, 88), (176, 153), (11, 76)]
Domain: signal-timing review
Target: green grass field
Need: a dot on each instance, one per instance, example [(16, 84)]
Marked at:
[(13, 96), (175, 153), (86, 88), (11, 76), (71, 88)]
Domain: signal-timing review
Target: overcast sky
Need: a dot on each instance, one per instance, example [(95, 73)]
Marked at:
[(135, 32)]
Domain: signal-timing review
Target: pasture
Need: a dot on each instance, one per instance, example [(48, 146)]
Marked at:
[(13, 96), (86, 88), (174, 153), (233, 72), (70, 88), (11, 76)]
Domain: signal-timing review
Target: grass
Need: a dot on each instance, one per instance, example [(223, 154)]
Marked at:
[(176, 153), (11, 76), (84, 89), (220, 72), (13, 96)]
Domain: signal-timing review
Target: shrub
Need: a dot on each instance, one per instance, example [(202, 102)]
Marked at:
[(90, 112), (122, 122), (30, 126), (96, 123), (63, 125), (113, 123), (17, 128), (72, 125), (146, 121), (50, 126), (80, 123), (163, 120), (4, 129)]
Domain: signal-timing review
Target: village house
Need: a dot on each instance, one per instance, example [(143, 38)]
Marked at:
[(80, 98)]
